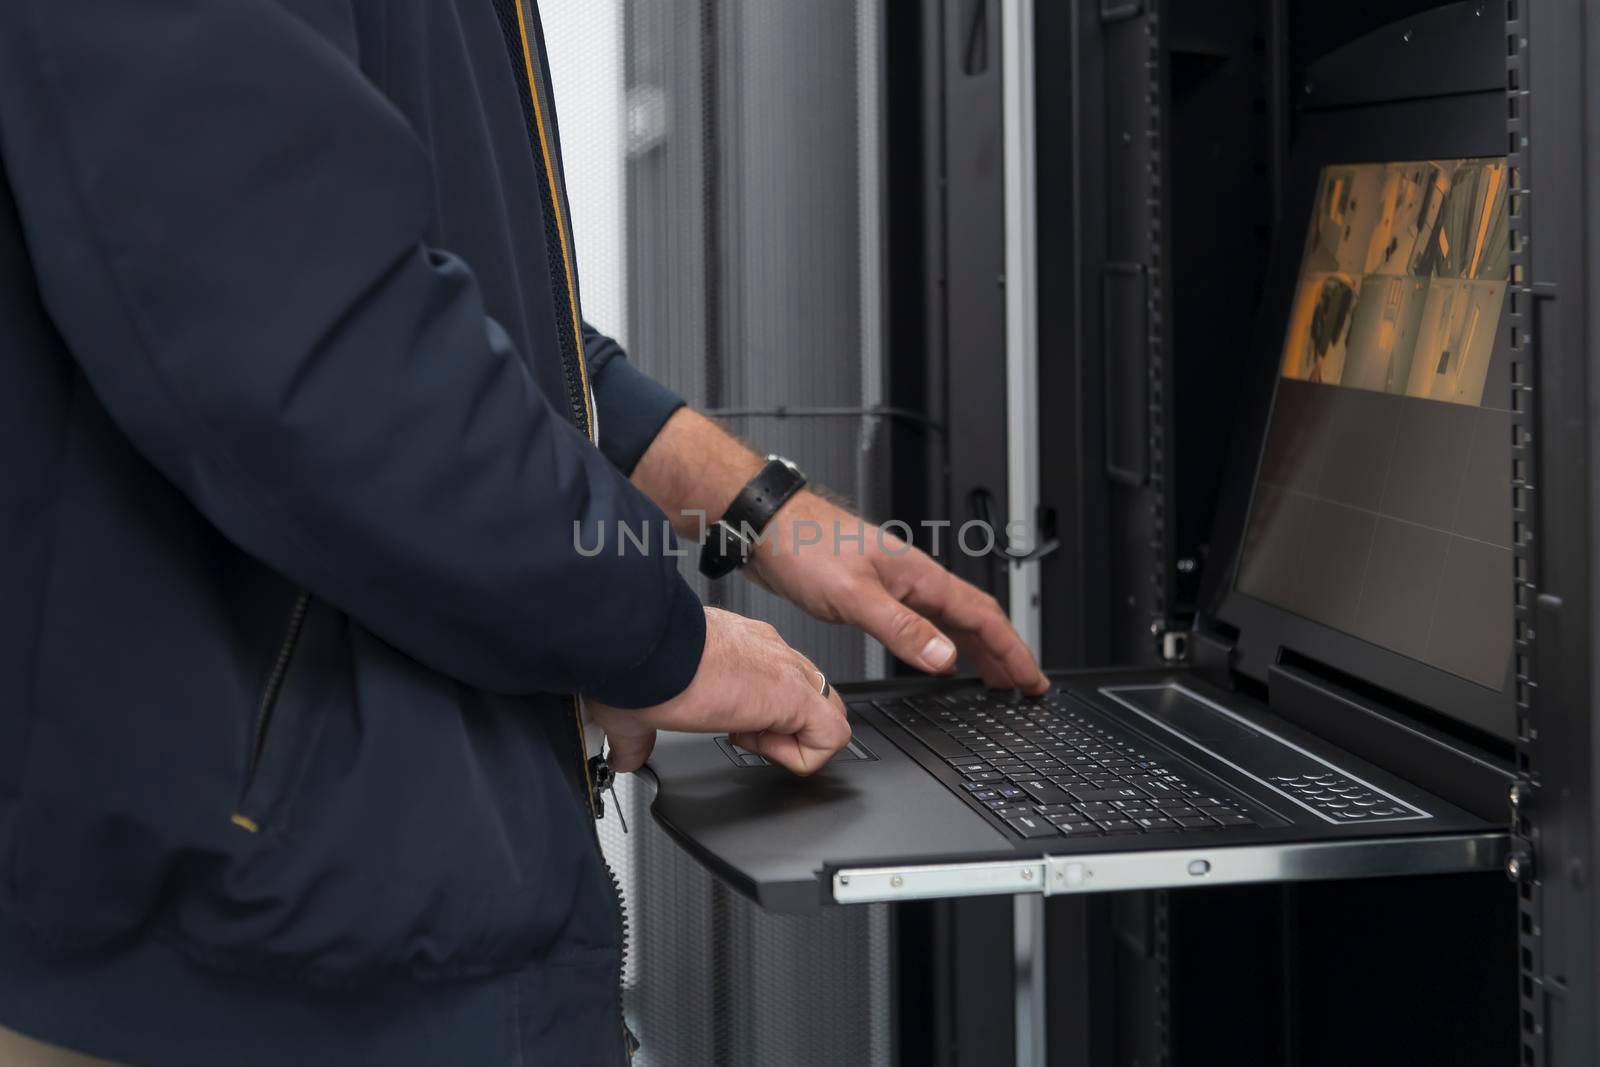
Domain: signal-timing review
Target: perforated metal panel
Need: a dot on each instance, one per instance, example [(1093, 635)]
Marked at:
[(747, 135)]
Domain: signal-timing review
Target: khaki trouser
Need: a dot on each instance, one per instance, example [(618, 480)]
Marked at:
[(19, 1051)]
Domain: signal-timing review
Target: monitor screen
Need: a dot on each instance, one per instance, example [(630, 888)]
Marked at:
[(1382, 502)]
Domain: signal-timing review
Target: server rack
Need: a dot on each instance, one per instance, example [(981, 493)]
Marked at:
[(1130, 92)]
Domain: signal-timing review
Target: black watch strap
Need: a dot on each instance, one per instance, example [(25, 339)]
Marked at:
[(729, 540)]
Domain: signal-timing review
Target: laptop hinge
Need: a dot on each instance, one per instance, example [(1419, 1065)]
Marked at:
[(1212, 657)]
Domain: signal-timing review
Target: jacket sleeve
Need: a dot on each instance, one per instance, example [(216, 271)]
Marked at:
[(632, 406), (226, 221)]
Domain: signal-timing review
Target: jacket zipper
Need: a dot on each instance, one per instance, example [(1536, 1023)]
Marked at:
[(580, 398), (269, 700), (577, 384)]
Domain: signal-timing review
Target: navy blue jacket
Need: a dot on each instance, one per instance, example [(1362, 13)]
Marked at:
[(293, 411)]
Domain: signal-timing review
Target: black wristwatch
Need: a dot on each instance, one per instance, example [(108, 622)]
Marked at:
[(731, 538)]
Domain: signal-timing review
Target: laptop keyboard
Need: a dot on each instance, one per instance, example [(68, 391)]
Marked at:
[(1047, 768)]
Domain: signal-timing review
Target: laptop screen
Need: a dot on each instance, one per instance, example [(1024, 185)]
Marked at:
[(1381, 506)]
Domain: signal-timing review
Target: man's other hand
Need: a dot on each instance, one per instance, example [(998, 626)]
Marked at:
[(752, 686)]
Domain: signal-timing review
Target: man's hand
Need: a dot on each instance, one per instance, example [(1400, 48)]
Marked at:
[(750, 685), (893, 591)]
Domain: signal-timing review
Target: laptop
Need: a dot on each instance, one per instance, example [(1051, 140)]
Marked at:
[(1346, 710)]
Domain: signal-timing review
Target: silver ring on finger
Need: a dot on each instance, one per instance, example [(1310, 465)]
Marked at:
[(823, 688)]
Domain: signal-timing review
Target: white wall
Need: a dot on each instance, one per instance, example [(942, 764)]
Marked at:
[(584, 39)]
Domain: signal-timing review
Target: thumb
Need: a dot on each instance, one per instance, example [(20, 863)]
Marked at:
[(905, 633), (626, 753)]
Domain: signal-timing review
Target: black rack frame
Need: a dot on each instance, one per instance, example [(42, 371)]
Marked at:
[(1553, 140)]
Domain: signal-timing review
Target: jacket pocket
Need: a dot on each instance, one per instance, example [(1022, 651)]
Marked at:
[(282, 738)]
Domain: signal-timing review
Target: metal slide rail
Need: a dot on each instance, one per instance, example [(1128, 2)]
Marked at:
[(1176, 868)]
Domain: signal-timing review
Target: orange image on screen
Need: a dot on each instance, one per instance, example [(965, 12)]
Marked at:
[(1405, 266)]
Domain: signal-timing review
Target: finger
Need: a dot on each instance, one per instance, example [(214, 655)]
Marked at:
[(746, 739), (799, 753), (817, 680), (824, 732), (982, 630), (627, 753), (903, 631), (825, 689), (782, 749), (804, 742)]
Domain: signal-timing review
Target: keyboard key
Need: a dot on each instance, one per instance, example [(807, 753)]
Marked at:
[(1011, 792), (1078, 828), (1126, 792), (1173, 806), (1234, 818), (941, 743), (1096, 809), (968, 765), (1031, 825), (1044, 792), (973, 787), (1194, 821), (985, 776), (986, 794), (1056, 809), (1156, 822)]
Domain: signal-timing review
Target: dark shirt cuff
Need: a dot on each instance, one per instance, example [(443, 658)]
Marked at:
[(670, 666), (633, 407)]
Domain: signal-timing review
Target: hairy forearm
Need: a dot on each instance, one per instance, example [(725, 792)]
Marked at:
[(692, 467)]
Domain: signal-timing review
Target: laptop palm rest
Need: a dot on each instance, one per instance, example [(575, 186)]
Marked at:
[(769, 834)]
